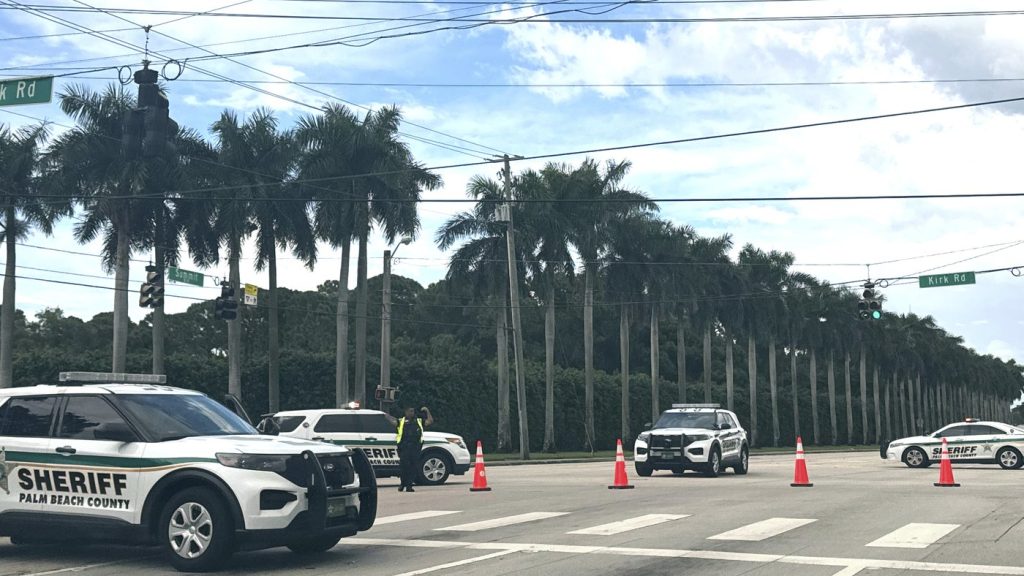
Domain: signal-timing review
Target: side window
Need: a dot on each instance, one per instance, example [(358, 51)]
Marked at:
[(980, 430), (375, 424), (720, 419), (954, 431), (733, 422), (337, 423), (84, 414), (28, 417), (288, 423)]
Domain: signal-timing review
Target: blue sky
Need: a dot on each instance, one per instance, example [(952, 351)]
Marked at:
[(972, 150)]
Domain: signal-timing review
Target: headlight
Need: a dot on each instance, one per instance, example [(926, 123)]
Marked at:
[(698, 437), (262, 462), (457, 441), (644, 437)]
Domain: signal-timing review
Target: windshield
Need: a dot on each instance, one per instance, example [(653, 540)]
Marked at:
[(704, 420), (174, 416)]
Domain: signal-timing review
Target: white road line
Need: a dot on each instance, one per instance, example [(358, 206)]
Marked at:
[(849, 571), (457, 564), (863, 563), (631, 524), (763, 530), (500, 522), (914, 536), (413, 516)]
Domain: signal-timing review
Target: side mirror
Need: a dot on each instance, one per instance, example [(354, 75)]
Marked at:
[(724, 426), (647, 425), (114, 432)]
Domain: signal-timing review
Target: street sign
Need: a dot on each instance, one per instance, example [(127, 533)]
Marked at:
[(26, 91), (185, 276), (251, 292), (952, 279)]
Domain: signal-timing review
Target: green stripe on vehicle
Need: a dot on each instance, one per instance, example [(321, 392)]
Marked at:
[(127, 462)]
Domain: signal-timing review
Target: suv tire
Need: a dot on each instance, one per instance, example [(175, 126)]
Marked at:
[(315, 544), (915, 457), (195, 530), (643, 469), (743, 465), (714, 465), (434, 469)]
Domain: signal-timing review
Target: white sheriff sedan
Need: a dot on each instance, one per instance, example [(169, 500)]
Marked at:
[(969, 441), (699, 437), (123, 458)]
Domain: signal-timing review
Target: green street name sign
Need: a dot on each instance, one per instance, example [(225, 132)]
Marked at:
[(185, 276), (954, 279), (26, 91)]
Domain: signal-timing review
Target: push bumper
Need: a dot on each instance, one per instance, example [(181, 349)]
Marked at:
[(674, 455)]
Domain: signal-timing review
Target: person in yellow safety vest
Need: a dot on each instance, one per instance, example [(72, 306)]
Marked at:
[(410, 441)]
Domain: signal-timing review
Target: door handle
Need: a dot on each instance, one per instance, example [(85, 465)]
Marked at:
[(66, 450), (317, 439)]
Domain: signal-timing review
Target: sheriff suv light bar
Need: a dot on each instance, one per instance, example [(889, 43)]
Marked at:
[(111, 378), (696, 405)]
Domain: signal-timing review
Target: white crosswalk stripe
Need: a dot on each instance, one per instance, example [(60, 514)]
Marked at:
[(763, 530), (631, 524), (915, 535), (413, 516), (501, 522)]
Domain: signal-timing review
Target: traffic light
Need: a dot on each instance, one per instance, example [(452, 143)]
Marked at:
[(379, 394), (160, 130), (132, 134), (226, 305), (151, 293), (870, 305), (393, 394)]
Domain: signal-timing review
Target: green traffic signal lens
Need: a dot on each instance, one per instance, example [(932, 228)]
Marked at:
[(877, 314)]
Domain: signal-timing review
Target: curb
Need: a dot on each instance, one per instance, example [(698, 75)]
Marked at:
[(629, 455)]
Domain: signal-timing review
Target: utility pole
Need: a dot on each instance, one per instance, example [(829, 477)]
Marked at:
[(517, 325), (385, 322)]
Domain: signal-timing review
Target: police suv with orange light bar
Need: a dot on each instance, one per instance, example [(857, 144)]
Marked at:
[(693, 437), (124, 458), (970, 441), (443, 454)]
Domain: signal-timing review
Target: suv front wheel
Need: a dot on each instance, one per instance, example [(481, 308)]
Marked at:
[(435, 468), (195, 531)]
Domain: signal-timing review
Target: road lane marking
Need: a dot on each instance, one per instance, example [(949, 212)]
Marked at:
[(459, 563), (85, 567), (763, 530), (413, 516), (631, 524), (501, 522), (915, 535), (850, 571), (863, 563)]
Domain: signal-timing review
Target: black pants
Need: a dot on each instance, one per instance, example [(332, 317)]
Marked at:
[(409, 459)]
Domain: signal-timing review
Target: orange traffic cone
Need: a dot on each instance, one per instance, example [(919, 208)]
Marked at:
[(800, 479), (946, 469), (621, 482), (479, 474)]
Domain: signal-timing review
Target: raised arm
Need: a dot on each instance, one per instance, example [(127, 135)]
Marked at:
[(391, 419), (430, 417)]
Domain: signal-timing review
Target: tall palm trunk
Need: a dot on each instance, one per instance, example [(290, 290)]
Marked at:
[(681, 360), (588, 352), (921, 406), (549, 367), (878, 407), (120, 351), (7, 316), (504, 406), (342, 394), (655, 364), (159, 320), (814, 395), (888, 411), (832, 395), (273, 337), (794, 390), (235, 326), (752, 375), (912, 410), (773, 384), (729, 384), (362, 295), (624, 367), (864, 428), (904, 423), (707, 362), (849, 400)]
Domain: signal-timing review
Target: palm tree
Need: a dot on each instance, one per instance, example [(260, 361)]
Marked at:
[(90, 165), (23, 210), (713, 252), (666, 246)]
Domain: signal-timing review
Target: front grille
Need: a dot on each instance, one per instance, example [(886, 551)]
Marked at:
[(337, 471), (669, 442)]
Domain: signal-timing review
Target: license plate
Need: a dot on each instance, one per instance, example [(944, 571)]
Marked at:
[(337, 507)]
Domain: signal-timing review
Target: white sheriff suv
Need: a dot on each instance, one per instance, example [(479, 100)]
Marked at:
[(970, 441), (699, 437), (124, 458), (369, 430)]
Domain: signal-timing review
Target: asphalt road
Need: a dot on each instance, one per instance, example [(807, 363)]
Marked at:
[(862, 516)]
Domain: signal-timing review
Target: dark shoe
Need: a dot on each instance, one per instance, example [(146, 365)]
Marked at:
[(401, 488), (409, 489)]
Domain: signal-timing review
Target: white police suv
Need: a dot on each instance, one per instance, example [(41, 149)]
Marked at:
[(369, 430), (124, 458), (970, 441), (693, 437)]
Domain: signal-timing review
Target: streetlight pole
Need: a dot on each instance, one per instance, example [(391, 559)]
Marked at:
[(385, 320)]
